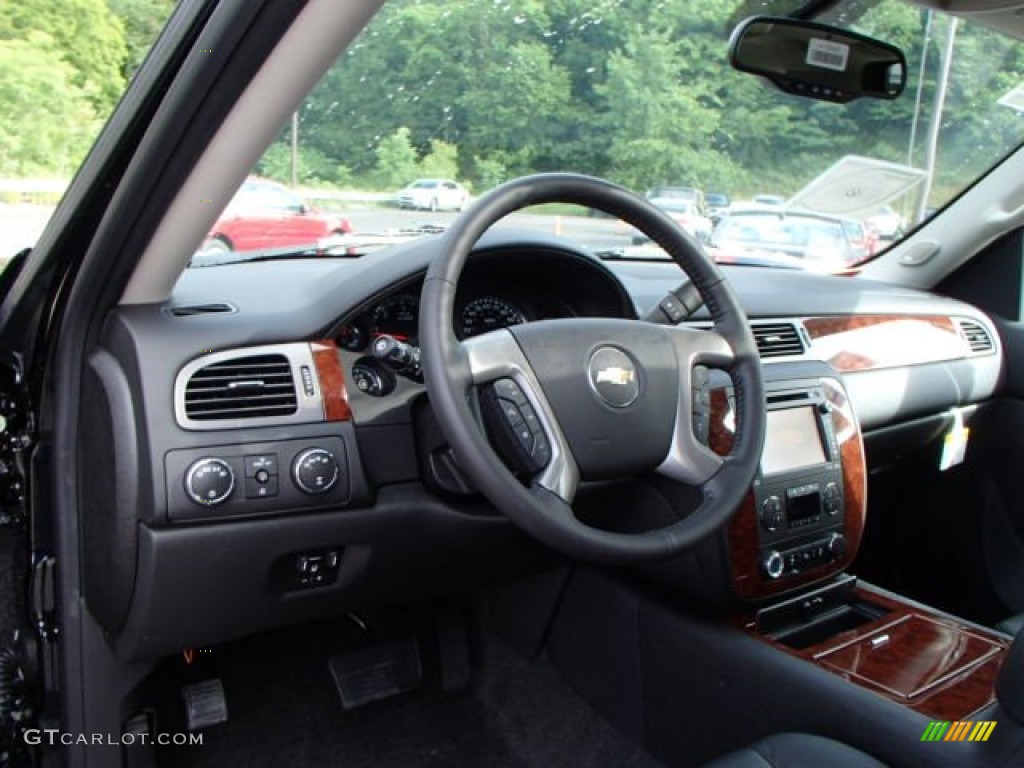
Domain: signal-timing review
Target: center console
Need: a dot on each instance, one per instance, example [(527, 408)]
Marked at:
[(792, 541)]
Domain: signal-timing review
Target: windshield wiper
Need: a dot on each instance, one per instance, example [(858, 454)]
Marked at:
[(739, 259)]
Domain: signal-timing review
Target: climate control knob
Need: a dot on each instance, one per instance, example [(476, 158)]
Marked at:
[(773, 565), (209, 481), (315, 470)]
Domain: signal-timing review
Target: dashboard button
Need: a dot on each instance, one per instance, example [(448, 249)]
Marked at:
[(265, 463), (257, 489), (771, 513)]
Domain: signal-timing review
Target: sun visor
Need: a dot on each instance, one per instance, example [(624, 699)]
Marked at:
[(856, 187)]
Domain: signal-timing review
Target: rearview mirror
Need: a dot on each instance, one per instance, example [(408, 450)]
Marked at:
[(818, 61)]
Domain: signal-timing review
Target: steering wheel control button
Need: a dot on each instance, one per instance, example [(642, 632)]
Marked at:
[(673, 309), (509, 389), (614, 377), (315, 471), (771, 513), (209, 481), (511, 412), (541, 450), (514, 427)]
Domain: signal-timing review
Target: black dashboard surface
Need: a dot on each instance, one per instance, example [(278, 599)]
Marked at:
[(141, 557)]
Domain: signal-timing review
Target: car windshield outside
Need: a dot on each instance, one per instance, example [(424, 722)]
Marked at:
[(417, 118)]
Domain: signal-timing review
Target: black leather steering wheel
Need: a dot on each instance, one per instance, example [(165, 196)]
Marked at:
[(609, 397)]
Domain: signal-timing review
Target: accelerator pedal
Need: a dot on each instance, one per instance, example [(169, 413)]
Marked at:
[(205, 704), (375, 673)]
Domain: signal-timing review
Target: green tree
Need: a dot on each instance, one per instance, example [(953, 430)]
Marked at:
[(85, 33), (660, 126), (442, 162), (397, 162), (47, 122)]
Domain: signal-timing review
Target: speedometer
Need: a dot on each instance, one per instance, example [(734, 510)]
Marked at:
[(488, 313)]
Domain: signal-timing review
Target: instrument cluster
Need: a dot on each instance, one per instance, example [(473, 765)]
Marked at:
[(398, 316)]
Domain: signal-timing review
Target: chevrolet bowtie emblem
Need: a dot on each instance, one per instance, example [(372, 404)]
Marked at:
[(616, 375)]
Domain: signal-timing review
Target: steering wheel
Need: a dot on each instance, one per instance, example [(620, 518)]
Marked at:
[(593, 397)]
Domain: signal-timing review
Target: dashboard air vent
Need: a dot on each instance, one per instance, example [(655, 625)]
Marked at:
[(251, 387), (977, 336), (777, 340)]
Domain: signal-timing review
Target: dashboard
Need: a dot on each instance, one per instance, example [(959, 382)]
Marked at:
[(247, 386)]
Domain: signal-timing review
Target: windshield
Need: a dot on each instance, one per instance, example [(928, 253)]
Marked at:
[(419, 117)]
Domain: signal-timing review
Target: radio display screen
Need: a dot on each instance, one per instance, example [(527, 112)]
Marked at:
[(792, 441)]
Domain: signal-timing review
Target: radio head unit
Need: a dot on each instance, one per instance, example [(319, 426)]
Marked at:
[(798, 491)]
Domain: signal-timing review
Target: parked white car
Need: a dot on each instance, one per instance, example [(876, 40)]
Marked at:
[(433, 195), (887, 223)]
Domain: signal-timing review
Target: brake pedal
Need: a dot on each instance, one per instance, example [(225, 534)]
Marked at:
[(375, 673)]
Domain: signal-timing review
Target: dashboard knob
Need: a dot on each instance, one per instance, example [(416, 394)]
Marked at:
[(837, 546), (209, 481), (773, 565), (771, 513), (315, 471)]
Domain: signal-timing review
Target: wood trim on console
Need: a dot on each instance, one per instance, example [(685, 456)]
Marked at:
[(866, 342), (742, 531), (919, 658), (331, 376)]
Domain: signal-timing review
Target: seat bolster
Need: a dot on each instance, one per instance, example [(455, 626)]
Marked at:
[(797, 750)]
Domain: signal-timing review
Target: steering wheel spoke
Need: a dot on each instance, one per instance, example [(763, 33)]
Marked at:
[(496, 360), (690, 461)]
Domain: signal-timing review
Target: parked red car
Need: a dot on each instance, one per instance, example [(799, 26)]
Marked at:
[(264, 214)]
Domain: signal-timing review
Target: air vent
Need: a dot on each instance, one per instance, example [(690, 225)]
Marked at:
[(258, 386), (977, 337), (777, 340), (202, 309)]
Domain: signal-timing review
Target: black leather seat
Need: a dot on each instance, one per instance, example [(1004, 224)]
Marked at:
[(797, 750)]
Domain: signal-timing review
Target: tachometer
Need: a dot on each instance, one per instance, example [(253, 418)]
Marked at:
[(397, 316), (488, 313)]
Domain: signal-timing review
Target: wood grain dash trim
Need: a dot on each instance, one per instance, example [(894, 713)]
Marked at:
[(867, 342), (331, 377)]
